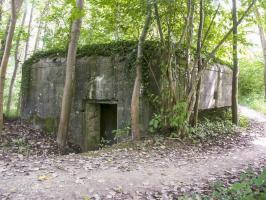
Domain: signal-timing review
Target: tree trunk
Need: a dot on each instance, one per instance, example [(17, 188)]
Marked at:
[(62, 134), (44, 34), (135, 126), (199, 62), (189, 3), (159, 25), (3, 40), (15, 7), (36, 45), (29, 31), (263, 45), (16, 65), (235, 67), (40, 26), (189, 40)]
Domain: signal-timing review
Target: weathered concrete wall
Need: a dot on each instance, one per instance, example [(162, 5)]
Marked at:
[(101, 79), (216, 87)]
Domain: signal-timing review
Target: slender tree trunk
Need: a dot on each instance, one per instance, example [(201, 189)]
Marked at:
[(37, 40), (235, 67), (43, 35), (69, 81), (15, 7), (135, 125), (16, 64), (40, 26), (263, 45), (3, 40), (29, 31), (199, 62), (158, 21), (210, 26), (189, 40), (189, 3), (18, 106)]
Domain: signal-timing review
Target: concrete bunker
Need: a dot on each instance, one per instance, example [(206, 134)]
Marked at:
[(103, 89)]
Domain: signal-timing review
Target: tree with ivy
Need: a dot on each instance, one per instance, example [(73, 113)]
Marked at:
[(135, 100), (62, 134)]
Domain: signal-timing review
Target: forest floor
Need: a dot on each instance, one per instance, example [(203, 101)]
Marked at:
[(30, 167)]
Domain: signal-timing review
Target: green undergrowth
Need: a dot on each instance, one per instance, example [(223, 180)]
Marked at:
[(12, 115), (213, 124), (207, 130), (221, 115), (250, 186)]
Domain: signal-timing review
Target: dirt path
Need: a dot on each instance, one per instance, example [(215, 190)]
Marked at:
[(129, 173)]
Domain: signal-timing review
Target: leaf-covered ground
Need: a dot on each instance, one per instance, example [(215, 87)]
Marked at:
[(154, 169)]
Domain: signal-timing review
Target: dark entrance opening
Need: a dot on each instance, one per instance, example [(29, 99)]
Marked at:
[(108, 123)]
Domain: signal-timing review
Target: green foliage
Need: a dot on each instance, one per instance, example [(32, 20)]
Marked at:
[(251, 77), (122, 133), (255, 101), (250, 187), (213, 123), (251, 84), (169, 121), (155, 124), (177, 116), (207, 129), (243, 122)]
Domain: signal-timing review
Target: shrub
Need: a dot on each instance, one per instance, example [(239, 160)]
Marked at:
[(210, 129)]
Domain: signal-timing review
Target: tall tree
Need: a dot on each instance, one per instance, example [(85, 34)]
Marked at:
[(40, 26), (135, 100), (15, 7), (12, 82), (235, 66), (263, 44), (3, 40), (158, 21), (29, 30), (189, 38), (199, 62), (70, 76)]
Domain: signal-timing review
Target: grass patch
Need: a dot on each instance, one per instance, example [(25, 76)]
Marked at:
[(254, 101), (250, 186)]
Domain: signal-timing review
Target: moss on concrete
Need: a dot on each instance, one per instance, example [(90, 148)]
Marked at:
[(48, 124)]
